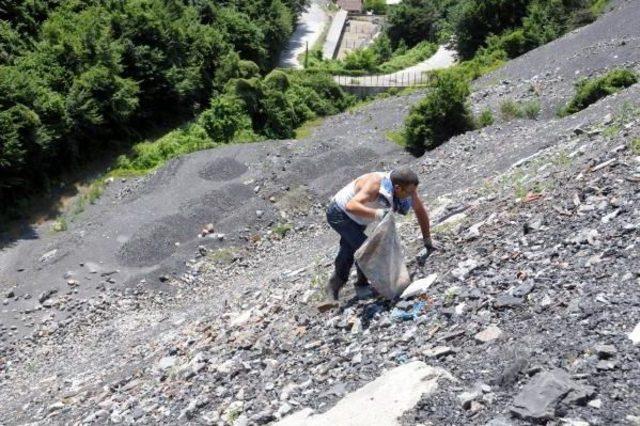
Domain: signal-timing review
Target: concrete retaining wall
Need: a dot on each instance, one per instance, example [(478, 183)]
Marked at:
[(332, 44)]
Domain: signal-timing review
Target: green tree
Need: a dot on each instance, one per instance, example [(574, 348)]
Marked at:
[(412, 21), (442, 114), (224, 118), (478, 19)]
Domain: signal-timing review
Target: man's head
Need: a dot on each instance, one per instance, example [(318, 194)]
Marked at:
[(404, 181)]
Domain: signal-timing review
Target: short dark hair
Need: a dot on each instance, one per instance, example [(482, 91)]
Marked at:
[(404, 177)]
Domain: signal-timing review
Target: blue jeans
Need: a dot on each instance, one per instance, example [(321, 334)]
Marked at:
[(352, 236)]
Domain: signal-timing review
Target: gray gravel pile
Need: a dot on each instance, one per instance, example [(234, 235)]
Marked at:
[(534, 314)]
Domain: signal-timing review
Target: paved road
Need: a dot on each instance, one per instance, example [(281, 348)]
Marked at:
[(411, 76), (311, 23)]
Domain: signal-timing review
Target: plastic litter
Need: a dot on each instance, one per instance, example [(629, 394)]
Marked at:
[(413, 313), (381, 258)]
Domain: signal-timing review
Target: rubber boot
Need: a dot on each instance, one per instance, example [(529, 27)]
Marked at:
[(363, 289), (334, 285)]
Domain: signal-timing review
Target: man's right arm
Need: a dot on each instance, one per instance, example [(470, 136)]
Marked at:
[(368, 193)]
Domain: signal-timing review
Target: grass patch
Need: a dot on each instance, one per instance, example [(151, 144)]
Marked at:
[(411, 57), (598, 7), (395, 136), (484, 119), (628, 112), (282, 229), (223, 256), (634, 146), (60, 225), (510, 110), (368, 61), (531, 109), (590, 91), (307, 128), (611, 131)]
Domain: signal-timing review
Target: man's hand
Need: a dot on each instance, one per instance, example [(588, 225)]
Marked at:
[(381, 213), (430, 247)]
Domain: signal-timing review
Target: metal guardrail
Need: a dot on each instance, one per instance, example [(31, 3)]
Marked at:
[(403, 79)]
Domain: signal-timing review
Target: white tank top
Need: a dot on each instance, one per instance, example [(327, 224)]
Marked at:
[(384, 201)]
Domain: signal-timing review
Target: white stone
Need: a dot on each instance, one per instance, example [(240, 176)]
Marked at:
[(380, 402), (595, 403), (240, 318), (419, 286), (489, 334), (167, 362), (635, 335)]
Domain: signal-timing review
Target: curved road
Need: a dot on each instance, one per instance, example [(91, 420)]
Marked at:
[(311, 24), (443, 58)]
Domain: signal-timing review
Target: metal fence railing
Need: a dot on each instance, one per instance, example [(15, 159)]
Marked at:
[(402, 79)]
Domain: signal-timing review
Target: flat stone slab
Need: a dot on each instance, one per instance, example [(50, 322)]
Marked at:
[(490, 334), (419, 286), (538, 399), (381, 402)]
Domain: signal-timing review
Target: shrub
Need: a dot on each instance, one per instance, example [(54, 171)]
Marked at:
[(411, 22), (513, 43), (485, 118), (224, 119), (361, 59), (442, 114), (531, 109), (478, 19), (589, 91), (510, 110)]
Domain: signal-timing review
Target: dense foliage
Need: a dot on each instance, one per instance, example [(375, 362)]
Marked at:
[(589, 91), (75, 76), (250, 108), (442, 113), (525, 24)]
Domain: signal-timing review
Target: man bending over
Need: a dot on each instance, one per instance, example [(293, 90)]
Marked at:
[(365, 200)]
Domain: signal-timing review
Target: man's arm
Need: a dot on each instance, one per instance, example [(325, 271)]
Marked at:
[(367, 193), (422, 216)]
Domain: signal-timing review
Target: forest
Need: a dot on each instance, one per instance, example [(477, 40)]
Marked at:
[(78, 77)]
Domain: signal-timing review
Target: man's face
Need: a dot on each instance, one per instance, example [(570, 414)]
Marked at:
[(404, 191)]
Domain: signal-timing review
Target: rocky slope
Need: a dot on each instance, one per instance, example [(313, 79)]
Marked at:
[(533, 316)]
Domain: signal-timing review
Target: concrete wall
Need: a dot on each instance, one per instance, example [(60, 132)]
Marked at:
[(334, 36)]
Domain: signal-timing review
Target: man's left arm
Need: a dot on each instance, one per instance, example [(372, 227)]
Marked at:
[(423, 220)]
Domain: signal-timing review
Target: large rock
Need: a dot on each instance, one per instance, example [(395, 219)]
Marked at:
[(538, 399), (380, 402)]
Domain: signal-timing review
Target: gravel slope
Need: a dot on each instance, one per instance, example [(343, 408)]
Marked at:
[(547, 251)]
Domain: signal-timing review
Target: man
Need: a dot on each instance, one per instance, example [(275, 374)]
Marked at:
[(363, 201)]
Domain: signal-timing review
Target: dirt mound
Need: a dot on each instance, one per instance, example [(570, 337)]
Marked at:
[(223, 169)]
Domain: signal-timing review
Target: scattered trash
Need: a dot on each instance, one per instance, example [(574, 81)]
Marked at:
[(399, 314)]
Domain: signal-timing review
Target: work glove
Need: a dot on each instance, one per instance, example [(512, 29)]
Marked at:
[(381, 213)]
